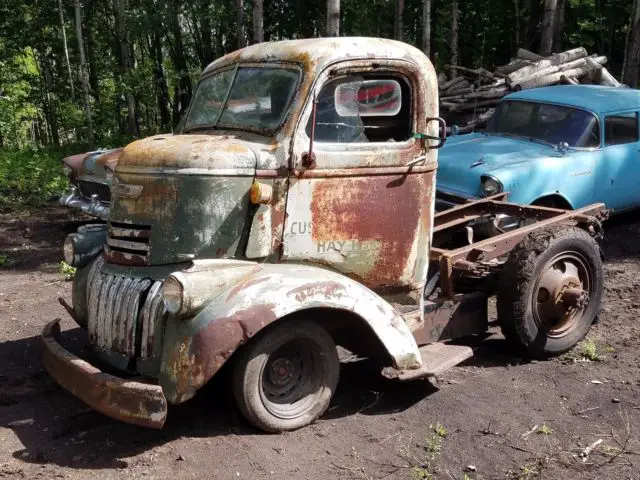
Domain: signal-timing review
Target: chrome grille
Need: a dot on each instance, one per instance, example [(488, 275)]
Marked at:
[(88, 188), (128, 244), (125, 314)]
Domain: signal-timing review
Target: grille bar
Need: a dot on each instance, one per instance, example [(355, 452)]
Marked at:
[(122, 309), (128, 244), (88, 188)]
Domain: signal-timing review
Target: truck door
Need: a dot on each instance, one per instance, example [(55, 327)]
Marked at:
[(358, 208), (619, 169)]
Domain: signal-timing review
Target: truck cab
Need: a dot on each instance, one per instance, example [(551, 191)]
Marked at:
[(293, 212)]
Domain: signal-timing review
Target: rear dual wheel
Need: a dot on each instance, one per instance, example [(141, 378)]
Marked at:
[(284, 378), (550, 291)]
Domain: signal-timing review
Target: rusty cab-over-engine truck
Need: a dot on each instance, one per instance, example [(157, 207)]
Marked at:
[(292, 213)]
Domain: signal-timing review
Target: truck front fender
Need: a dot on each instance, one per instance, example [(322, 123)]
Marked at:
[(196, 348)]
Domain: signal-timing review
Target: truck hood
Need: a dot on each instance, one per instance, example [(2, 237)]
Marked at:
[(465, 158), (191, 152)]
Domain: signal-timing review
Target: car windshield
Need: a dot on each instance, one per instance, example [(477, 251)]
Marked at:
[(251, 98), (547, 123)]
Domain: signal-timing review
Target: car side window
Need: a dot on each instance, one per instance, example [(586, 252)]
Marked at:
[(359, 109), (621, 129)]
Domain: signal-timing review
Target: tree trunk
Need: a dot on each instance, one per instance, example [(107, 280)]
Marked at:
[(182, 91), (49, 102), (455, 12), (91, 51), (426, 27), (66, 48), (84, 75), (207, 38), (632, 57), (162, 94), (333, 18), (548, 27), (240, 42), (258, 20), (126, 64), (398, 26), (558, 33), (516, 7)]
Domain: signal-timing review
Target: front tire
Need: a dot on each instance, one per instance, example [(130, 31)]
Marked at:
[(284, 378), (550, 291)]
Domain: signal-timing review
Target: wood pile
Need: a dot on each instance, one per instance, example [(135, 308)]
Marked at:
[(468, 97)]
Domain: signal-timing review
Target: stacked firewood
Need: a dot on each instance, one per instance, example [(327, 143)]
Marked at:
[(468, 96)]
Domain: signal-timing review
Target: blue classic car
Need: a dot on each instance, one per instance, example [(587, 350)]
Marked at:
[(563, 146)]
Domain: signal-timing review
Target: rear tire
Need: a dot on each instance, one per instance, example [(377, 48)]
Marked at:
[(284, 379), (540, 305)]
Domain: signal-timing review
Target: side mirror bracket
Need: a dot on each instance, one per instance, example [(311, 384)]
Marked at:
[(442, 134)]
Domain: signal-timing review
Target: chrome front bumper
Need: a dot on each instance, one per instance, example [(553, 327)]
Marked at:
[(92, 207), (132, 401)]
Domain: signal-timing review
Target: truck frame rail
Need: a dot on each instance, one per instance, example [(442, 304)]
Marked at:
[(477, 258)]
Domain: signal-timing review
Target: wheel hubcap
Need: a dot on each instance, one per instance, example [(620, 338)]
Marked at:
[(292, 379), (561, 294)]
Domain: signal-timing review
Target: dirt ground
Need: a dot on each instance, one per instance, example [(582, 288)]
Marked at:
[(478, 420)]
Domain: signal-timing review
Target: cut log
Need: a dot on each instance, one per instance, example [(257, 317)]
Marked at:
[(458, 92), (552, 78), (479, 121), (513, 66), (586, 63), (464, 107), (569, 80), (565, 61), (485, 95), (452, 82), (569, 55), (524, 54), (608, 79)]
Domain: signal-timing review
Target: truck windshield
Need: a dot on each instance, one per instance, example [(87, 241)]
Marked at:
[(547, 123), (251, 98)]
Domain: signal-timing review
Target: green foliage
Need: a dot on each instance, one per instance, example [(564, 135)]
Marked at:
[(4, 261), (170, 42), (545, 429), (431, 450), (30, 177), (67, 270)]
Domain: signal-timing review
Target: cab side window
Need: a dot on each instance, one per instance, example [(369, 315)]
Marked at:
[(621, 129), (360, 109)]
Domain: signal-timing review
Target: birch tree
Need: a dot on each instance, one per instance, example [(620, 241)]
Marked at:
[(426, 27), (333, 18), (84, 76), (548, 27)]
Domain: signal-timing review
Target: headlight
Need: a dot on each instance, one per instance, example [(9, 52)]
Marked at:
[(173, 295), (67, 169), (108, 174), (69, 249), (490, 186)]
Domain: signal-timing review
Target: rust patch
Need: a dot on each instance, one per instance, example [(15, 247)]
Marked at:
[(109, 159), (122, 258), (210, 347), (246, 284), (386, 209), (75, 161), (326, 289), (123, 399)]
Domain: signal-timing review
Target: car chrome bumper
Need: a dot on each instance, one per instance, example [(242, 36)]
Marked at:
[(130, 401), (94, 208)]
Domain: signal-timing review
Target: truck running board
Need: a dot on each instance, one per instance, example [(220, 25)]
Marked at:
[(436, 358)]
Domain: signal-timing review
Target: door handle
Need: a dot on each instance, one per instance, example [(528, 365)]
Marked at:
[(415, 161)]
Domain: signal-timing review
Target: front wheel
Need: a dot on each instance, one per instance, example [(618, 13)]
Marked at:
[(550, 291), (284, 378)]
